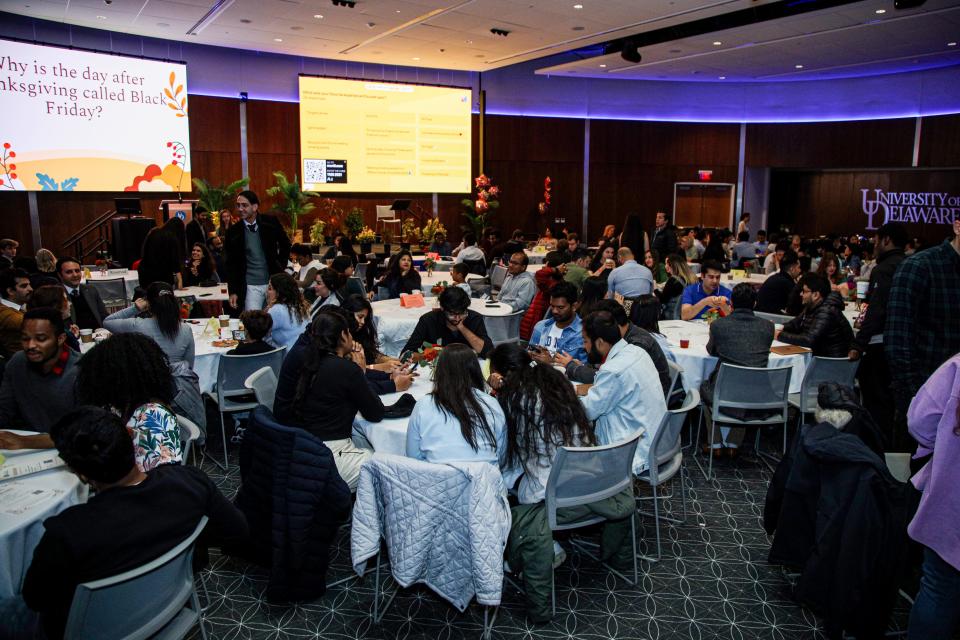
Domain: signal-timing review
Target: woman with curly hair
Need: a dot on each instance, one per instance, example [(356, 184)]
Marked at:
[(200, 270), (543, 413), (287, 307), (129, 374)]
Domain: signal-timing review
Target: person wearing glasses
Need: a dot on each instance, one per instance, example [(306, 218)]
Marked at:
[(519, 286), (453, 323)]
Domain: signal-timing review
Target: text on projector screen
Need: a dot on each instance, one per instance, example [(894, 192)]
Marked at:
[(93, 122)]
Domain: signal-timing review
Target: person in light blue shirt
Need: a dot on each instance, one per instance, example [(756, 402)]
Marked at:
[(457, 422), (707, 294), (630, 279), (626, 395), (519, 287), (289, 310), (561, 331)]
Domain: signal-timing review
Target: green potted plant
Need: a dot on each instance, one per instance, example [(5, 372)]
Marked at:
[(316, 233), (353, 222), (214, 199), (293, 201)]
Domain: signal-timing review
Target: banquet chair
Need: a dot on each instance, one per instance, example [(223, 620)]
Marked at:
[(189, 433), (504, 329), (584, 475), (113, 292), (156, 600), (263, 383), (775, 318), (387, 216), (477, 267), (360, 271), (479, 287), (762, 390), (665, 461), (231, 396), (498, 273), (821, 369)]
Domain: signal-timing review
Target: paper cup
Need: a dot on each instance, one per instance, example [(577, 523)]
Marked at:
[(224, 321), (234, 324), (862, 287), (86, 335)]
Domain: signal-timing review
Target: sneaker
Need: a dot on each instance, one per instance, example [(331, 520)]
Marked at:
[(559, 555)]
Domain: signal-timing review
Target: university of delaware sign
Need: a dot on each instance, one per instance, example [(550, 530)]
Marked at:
[(923, 207)]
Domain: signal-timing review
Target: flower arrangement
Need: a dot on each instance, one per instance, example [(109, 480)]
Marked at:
[(713, 314), (330, 213), (428, 263), (439, 288), (544, 206), (427, 353), (366, 235), (430, 229), (478, 210), (185, 309), (410, 231), (353, 223)]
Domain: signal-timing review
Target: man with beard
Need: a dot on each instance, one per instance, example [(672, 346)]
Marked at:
[(38, 382), (626, 394), (561, 331)]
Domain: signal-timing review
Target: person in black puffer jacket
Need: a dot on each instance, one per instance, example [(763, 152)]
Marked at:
[(821, 325)]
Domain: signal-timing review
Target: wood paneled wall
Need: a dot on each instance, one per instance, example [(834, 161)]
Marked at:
[(633, 167)]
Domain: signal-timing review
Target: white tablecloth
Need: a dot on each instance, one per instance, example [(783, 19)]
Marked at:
[(209, 294), (20, 531), (206, 357), (390, 436), (395, 324), (698, 364), (535, 257)]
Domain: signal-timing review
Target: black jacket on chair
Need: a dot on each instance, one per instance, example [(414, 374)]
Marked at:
[(842, 519), (823, 329), (294, 501), (276, 249)]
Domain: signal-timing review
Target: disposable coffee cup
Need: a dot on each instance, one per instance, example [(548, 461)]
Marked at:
[(86, 335), (224, 321), (862, 287), (226, 333), (234, 324)]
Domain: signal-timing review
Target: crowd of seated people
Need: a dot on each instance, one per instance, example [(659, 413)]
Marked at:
[(592, 368)]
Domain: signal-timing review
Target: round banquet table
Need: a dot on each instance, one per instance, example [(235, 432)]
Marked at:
[(395, 324), (698, 364), (130, 278), (535, 257), (390, 436), (25, 503)]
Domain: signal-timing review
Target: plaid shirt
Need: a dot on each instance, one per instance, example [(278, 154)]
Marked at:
[(923, 318)]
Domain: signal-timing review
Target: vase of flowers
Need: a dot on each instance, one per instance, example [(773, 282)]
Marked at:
[(427, 354), (479, 209), (366, 238), (428, 265)]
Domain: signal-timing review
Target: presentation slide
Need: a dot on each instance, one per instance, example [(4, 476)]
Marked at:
[(368, 136), (79, 121)]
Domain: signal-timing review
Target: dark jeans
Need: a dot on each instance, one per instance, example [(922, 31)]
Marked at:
[(935, 611)]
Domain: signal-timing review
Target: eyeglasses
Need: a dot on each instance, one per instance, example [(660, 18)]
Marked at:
[(519, 264)]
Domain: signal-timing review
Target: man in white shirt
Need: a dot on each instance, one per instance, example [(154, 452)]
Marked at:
[(626, 395), (468, 249)]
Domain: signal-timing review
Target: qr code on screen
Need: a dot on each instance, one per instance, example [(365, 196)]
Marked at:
[(315, 171)]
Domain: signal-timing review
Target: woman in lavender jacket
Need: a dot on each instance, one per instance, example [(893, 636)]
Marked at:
[(934, 420)]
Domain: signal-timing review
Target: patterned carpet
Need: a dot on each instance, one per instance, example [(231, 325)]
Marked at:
[(713, 582)]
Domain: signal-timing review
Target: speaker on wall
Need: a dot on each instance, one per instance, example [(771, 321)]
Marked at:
[(631, 51)]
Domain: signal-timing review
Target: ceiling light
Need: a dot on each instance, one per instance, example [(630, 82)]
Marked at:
[(371, 25), (717, 43), (318, 16), (721, 77), (880, 11), (101, 17), (951, 44), (163, 24), (278, 39), (798, 66), (245, 21), (398, 10), (578, 6), (603, 66), (296, 28)]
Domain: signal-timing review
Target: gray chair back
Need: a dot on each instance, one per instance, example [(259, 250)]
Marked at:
[(234, 370), (189, 433), (152, 600), (775, 318), (113, 292), (383, 293), (582, 475), (498, 274), (676, 381), (665, 457), (504, 329), (263, 383), (839, 370), (478, 287), (751, 388)]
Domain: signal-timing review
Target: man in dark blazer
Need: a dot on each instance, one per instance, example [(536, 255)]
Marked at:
[(742, 339), (664, 237), (87, 310), (255, 247)]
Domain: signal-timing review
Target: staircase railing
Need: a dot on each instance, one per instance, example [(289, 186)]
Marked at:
[(90, 238)]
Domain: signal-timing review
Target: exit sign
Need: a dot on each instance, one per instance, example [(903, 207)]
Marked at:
[(705, 174)]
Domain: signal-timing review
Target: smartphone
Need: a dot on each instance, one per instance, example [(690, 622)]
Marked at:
[(204, 295), (414, 367)]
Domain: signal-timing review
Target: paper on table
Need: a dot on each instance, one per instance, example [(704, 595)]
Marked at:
[(28, 464), (18, 498)]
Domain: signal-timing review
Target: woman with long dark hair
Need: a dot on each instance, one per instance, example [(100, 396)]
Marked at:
[(633, 235), (593, 289), (130, 374), (401, 276), (365, 333), (161, 258), (458, 421), (604, 261), (645, 313), (200, 270), (157, 316), (328, 286), (290, 312), (331, 390), (679, 276)]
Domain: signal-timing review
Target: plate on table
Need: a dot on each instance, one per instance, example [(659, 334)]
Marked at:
[(223, 344)]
